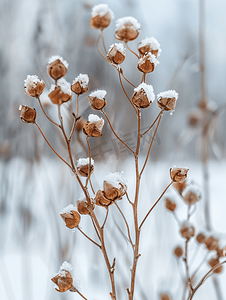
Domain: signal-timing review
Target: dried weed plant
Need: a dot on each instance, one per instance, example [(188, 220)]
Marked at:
[(114, 185)]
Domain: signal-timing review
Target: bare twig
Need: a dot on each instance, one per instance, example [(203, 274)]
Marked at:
[(88, 237)]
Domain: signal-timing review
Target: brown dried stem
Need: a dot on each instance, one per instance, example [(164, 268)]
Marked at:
[(39, 101), (120, 79), (73, 126), (105, 219), (131, 50), (161, 112), (73, 289), (98, 47), (102, 35), (77, 106), (88, 237)]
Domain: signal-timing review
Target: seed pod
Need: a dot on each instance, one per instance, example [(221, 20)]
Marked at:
[(213, 262), (61, 92), (211, 243), (165, 296), (93, 127), (101, 16), (63, 279), (80, 84), (127, 29), (178, 174), (180, 186), (83, 206), (27, 114), (33, 86), (83, 167), (147, 63), (116, 53), (178, 251), (97, 100), (220, 252), (200, 238), (170, 205), (149, 45), (143, 95), (187, 231), (191, 194), (70, 216), (167, 100), (57, 67), (114, 186), (79, 124), (101, 200)]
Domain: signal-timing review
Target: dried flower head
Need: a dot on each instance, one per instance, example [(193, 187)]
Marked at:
[(79, 124), (33, 86), (93, 127), (127, 29), (191, 194), (200, 238), (211, 243), (57, 67), (63, 279), (116, 53), (27, 114), (147, 63), (101, 200), (167, 100), (187, 230), (114, 186), (143, 95), (213, 262), (149, 45), (170, 205), (101, 16), (180, 186), (97, 99), (61, 92), (80, 84), (70, 216), (84, 168), (178, 251), (178, 174), (165, 296), (83, 206)]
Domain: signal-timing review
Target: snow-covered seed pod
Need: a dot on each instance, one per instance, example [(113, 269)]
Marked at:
[(147, 63), (83, 206), (70, 216), (143, 95), (116, 53), (27, 114), (167, 100), (127, 29), (178, 174), (187, 230), (101, 200), (170, 205), (84, 168), (33, 86), (93, 127), (63, 278), (211, 243), (114, 186), (97, 99), (149, 45), (80, 84), (57, 67), (101, 16), (180, 186), (61, 92), (191, 194)]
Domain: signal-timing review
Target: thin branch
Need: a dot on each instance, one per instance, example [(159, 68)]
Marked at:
[(88, 237), (77, 107), (127, 196), (120, 79), (73, 126), (52, 147), (150, 210), (103, 112), (127, 226), (98, 47), (149, 150), (105, 219), (131, 50), (73, 289), (187, 267), (152, 123), (39, 101), (102, 35), (126, 78)]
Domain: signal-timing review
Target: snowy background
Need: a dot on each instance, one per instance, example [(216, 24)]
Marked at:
[(34, 186)]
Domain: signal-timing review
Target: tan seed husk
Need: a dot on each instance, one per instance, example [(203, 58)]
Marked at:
[(56, 69), (64, 283), (71, 219), (28, 114), (100, 22)]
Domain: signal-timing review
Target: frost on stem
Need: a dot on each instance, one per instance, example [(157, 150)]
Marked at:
[(167, 100), (116, 53), (101, 16), (143, 95), (80, 84), (97, 99), (149, 45), (33, 86), (93, 127), (147, 63), (57, 67), (63, 278), (83, 167), (127, 29), (61, 92), (70, 216)]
